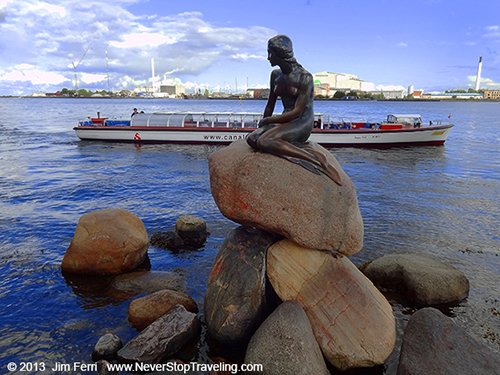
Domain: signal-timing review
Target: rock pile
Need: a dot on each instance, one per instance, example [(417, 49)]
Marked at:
[(113, 242), (351, 322)]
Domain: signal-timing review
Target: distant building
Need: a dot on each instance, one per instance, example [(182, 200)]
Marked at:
[(491, 94), (417, 94), (322, 89), (454, 95), (389, 94), (172, 91), (327, 83), (258, 93)]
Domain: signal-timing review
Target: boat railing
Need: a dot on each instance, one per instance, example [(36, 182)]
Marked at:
[(439, 123)]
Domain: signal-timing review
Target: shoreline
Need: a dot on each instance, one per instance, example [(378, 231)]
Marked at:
[(254, 99)]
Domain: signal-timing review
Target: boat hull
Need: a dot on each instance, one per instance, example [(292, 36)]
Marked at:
[(435, 135)]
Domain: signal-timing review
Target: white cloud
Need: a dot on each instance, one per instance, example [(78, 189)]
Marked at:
[(402, 44), (53, 35), (44, 9), (492, 32), (389, 87), (91, 78), (143, 40), (247, 56), (29, 73), (485, 83)]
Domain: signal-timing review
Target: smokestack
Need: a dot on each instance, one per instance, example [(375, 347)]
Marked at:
[(153, 74), (478, 76)]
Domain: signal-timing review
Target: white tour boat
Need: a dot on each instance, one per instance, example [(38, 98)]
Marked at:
[(224, 128)]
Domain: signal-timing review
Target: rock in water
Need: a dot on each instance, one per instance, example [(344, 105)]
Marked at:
[(271, 193), (352, 321), (192, 229), (167, 240), (236, 294), (145, 310), (163, 338), (106, 242), (148, 282), (434, 345), (424, 278), (285, 344), (107, 347)]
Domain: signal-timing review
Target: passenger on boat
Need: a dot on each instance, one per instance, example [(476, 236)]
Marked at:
[(134, 112), (279, 135)]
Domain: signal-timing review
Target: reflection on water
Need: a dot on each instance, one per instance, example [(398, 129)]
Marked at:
[(438, 200)]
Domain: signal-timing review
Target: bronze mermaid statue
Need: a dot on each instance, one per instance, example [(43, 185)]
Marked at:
[(286, 135)]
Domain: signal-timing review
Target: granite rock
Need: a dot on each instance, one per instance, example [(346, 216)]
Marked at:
[(106, 242), (352, 321), (271, 193)]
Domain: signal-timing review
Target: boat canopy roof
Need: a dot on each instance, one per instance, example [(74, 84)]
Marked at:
[(179, 119), (404, 115), (404, 118)]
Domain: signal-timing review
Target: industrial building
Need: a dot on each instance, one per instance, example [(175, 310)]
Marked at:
[(258, 93), (327, 83), (171, 91), (389, 94)]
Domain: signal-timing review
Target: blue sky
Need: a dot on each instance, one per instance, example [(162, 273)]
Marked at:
[(430, 44)]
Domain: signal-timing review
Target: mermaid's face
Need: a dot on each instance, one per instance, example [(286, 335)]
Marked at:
[(272, 57)]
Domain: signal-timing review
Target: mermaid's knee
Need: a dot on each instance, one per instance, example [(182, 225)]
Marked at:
[(252, 140)]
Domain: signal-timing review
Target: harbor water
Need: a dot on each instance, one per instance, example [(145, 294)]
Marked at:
[(443, 201)]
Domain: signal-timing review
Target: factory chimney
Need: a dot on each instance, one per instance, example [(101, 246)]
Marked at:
[(478, 76), (153, 75)]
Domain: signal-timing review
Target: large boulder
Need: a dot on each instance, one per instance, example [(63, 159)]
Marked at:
[(106, 242), (434, 345), (352, 321), (276, 195), (424, 279), (235, 299), (145, 310), (163, 338), (285, 344)]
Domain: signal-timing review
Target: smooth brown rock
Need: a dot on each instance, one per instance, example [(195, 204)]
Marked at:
[(106, 242), (236, 292), (163, 338), (352, 321), (423, 278), (285, 344), (265, 191), (434, 345), (145, 310)]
